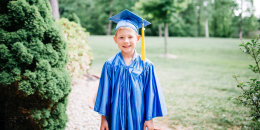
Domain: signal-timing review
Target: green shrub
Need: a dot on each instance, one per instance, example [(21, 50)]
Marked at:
[(71, 17), (79, 52), (251, 89), (34, 83)]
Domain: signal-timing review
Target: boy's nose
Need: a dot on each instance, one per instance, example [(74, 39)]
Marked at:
[(126, 40)]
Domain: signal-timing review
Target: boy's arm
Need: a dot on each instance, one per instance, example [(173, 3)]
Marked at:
[(104, 124), (153, 95), (148, 125)]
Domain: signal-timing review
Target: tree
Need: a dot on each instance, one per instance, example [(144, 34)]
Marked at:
[(189, 17), (217, 18), (55, 9), (73, 10), (110, 15), (160, 10), (240, 21), (34, 82), (244, 10), (194, 16), (199, 5), (206, 6), (204, 10), (111, 7), (95, 17), (222, 14)]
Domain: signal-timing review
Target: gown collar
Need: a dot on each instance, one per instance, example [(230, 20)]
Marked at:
[(133, 59)]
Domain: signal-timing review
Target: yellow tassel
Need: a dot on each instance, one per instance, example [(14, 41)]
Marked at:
[(143, 45)]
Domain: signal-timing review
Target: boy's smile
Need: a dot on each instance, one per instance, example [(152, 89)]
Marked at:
[(126, 39)]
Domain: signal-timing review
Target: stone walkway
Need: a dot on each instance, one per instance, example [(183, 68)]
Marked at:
[(81, 116), (79, 109)]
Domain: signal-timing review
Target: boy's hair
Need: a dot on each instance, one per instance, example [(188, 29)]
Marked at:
[(124, 28)]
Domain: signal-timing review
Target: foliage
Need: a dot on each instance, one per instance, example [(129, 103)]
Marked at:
[(185, 17), (159, 10), (93, 15), (251, 89), (222, 18), (178, 27), (72, 10), (34, 81), (162, 11), (189, 20), (72, 17), (250, 24), (258, 23), (78, 50)]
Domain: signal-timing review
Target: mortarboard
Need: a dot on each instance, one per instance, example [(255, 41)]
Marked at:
[(128, 19)]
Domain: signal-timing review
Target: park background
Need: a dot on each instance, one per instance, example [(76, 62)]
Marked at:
[(194, 45)]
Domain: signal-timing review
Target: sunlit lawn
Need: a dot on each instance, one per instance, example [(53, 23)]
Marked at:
[(198, 84)]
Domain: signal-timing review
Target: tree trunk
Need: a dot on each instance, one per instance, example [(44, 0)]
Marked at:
[(109, 24), (198, 21), (110, 15), (55, 9), (241, 22), (207, 21), (160, 30), (166, 34), (215, 20), (207, 28)]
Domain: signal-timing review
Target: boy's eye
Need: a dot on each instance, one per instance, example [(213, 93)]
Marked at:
[(121, 37)]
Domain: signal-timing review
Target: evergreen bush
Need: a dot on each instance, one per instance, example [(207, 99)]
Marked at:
[(79, 52), (34, 83)]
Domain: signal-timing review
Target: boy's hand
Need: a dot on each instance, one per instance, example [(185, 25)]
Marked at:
[(104, 124), (149, 125)]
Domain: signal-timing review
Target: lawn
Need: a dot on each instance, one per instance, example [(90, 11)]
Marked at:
[(198, 86)]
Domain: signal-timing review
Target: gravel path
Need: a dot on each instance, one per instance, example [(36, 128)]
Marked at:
[(81, 116), (79, 111)]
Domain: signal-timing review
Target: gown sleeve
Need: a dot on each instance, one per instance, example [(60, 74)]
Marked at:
[(154, 99), (102, 104)]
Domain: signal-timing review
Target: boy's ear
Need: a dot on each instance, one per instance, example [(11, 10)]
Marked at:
[(138, 37), (114, 37)]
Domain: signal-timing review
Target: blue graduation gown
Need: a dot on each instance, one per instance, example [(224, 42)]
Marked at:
[(129, 95)]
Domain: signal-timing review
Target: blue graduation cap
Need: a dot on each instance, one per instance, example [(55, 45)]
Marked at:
[(128, 19)]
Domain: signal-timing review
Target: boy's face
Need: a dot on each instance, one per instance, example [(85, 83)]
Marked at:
[(126, 39)]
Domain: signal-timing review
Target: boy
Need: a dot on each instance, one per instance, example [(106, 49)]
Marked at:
[(129, 94)]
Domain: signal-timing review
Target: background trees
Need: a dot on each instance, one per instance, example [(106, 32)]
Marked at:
[(221, 22), (195, 18), (93, 15), (161, 11)]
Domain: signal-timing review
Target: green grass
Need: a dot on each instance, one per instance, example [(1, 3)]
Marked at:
[(198, 86)]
